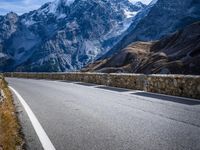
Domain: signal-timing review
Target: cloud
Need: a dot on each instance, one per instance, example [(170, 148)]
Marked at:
[(20, 6)]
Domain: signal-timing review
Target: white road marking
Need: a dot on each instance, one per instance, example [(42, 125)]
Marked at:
[(44, 139)]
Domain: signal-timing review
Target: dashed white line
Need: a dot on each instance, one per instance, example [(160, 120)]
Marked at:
[(44, 139)]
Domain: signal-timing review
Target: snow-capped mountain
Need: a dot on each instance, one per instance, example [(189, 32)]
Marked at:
[(64, 34), (158, 19)]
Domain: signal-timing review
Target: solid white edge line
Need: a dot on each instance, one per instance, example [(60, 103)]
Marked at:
[(44, 139)]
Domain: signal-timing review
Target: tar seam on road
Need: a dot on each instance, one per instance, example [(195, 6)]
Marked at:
[(44, 139)]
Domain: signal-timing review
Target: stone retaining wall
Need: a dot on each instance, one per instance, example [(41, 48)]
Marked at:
[(177, 85)]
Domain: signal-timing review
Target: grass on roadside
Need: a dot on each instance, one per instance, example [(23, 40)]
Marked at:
[(10, 137)]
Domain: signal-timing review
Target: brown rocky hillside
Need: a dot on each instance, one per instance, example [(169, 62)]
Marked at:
[(178, 53)]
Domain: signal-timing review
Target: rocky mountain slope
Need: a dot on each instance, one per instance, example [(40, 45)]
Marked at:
[(178, 53), (63, 35), (159, 19)]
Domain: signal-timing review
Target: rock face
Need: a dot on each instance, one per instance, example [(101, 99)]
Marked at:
[(66, 35), (63, 35), (160, 18), (8, 26), (178, 53)]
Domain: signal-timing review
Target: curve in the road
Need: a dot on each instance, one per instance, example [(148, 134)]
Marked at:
[(44, 139)]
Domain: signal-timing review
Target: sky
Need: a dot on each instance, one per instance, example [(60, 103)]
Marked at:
[(23, 6)]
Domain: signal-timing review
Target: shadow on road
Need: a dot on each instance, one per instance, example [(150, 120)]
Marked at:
[(67, 81), (167, 98), (113, 89), (85, 84)]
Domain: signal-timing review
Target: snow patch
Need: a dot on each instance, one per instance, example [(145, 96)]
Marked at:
[(130, 14), (54, 5), (61, 16), (2, 55), (153, 2), (28, 22), (69, 2), (92, 48)]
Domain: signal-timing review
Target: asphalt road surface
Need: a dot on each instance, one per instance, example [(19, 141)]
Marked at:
[(80, 116)]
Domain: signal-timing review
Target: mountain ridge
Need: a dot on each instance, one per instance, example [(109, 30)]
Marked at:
[(67, 35), (174, 54), (62, 37), (159, 19)]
